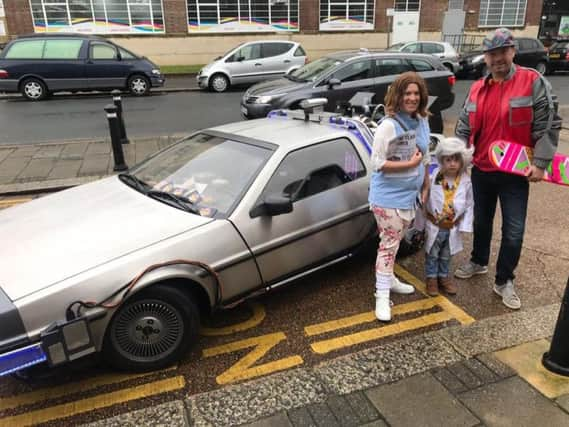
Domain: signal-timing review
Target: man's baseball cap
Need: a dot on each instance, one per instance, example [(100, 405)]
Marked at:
[(502, 37)]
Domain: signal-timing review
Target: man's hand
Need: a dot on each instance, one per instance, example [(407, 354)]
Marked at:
[(535, 174)]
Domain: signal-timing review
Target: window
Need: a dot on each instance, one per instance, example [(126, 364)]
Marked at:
[(309, 171), (242, 15), (98, 16), (299, 51), (28, 49), (246, 53), (338, 15), (275, 49), (102, 51), (506, 13), (62, 49), (390, 66), (355, 71), (412, 48), (407, 5), (421, 65), (125, 54), (433, 48)]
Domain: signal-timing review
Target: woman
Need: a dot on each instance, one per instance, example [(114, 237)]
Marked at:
[(400, 178)]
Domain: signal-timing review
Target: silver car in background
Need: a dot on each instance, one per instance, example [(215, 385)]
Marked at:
[(252, 62), (443, 50)]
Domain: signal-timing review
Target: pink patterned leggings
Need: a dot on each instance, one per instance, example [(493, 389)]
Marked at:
[(391, 228)]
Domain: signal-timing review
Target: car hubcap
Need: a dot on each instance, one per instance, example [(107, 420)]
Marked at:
[(148, 330), (33, 90), (219, 84), (138, 86)]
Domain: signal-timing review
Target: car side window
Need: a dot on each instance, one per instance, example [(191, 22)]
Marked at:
[(390, 66), (62, 49), (432, 48), (312, 170), (102, 51), (299, 51), (525, 44), (420, 65), (125, 54), (247, 53), (354, 71), (275, 49), (411, 48), (26, 49)]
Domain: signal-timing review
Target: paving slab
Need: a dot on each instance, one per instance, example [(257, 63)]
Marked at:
[(513, 403), (449, 380), (322, 415), (49, 151), (525, 359), (64, 169), (278, 420), (5, 153), (301, 418), (496, 366), (171, 414), (98, 147), (343, 411), (96, 164), (13, 166), (362, 406), (423, 398), (37, 169), (563, 401), (74, 150), (25, 151)]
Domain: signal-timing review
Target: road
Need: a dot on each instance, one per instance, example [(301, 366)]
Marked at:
[(81, 117)]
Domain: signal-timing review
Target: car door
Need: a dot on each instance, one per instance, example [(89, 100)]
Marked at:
[(433, 49), (354, 76), (524, 55), (386, 71), (411, 48), (105, 67), (245, 65), (275, 59), (328, 188)]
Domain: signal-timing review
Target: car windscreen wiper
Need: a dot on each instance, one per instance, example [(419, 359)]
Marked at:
[(133, 181), (177, 201)]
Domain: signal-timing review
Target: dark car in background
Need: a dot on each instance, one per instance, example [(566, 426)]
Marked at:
[(339, 76), (40, 64), (530, 53), (559, 57)]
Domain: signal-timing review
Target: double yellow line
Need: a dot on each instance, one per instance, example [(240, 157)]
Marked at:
[(6, 203)]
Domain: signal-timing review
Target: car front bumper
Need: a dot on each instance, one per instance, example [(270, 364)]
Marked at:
[(255, 111), (558, 65), (157, 81), (202, 81)]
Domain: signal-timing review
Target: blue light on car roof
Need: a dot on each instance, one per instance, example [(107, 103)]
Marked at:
[(356, 128), (21, 358)]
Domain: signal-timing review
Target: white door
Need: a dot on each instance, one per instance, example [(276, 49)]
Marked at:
[(405, 27)]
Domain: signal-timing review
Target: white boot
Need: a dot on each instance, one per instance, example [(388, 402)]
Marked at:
[(399, 287), (382, 301)]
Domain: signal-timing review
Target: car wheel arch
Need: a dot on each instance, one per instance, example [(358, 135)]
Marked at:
[(141, 75), (31, 76), (222, 74)]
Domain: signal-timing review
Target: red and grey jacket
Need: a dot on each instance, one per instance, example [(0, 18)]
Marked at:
[(522, 111)]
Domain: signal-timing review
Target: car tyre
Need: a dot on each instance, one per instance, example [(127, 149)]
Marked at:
[(436, 122), (151, 330), (219, 83), (541, 68), (33, 89), (138, 85)]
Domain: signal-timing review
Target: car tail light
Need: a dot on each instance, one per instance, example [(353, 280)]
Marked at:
[(3, 74), (452, 80), (306, 60), (567, 56)]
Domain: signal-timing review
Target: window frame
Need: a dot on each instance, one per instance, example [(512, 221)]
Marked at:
[(92, 44), (487, 5), (326, 21), (264, 46)]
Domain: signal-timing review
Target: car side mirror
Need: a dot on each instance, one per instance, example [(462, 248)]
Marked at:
[(333, 83), (218, 58), (240, 58), (272, 205)]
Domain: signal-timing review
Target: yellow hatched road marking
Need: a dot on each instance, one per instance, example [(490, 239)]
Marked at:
[(326, 346), (71, 388), (10, 202), (258, 316), (242, 369), (93, 403)]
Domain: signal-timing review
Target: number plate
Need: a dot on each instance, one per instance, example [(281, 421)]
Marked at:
[(554, 55)]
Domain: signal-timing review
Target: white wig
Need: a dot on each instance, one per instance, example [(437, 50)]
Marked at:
[(451, 146)]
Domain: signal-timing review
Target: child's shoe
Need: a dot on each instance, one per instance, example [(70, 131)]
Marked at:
[(448, 285), (432, 286)]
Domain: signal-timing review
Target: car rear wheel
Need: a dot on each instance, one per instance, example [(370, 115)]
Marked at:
[(33, 89), (541, 68), (219, 83), (138, 85), (151, 330)]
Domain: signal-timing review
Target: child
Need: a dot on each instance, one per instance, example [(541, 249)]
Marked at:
[(448, 211)]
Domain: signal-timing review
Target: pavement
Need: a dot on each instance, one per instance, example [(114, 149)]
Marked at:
[(487, 373)]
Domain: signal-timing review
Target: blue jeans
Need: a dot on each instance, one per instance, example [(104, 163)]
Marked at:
[(438, 259), (512, 191)]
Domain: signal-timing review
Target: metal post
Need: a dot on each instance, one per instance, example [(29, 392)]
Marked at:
[(118, 103), (114, 128), (557, 358)]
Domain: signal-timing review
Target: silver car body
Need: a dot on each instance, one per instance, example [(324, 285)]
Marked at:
[(257, 65), (443, 50)]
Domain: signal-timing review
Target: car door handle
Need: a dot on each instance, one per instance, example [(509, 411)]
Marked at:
[(258, 64), (287, 61)]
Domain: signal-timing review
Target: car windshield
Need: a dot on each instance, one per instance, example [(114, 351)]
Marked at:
[(396, 46), (209, 172), (315, 69)]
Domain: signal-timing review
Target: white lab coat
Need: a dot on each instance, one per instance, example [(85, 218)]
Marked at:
[(464, 210)]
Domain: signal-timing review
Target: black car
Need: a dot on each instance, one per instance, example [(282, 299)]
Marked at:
[(39, 64), (530, 52), (339, 76), (559, 57)]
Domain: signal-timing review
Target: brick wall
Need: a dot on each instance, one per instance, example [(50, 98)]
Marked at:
[(380, 14), (309, 16), (18, 17), (533, 12), (432, 15), (175, 17)]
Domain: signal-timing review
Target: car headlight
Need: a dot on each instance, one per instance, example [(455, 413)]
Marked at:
[(263, 99), (477, 59), (156, 71)]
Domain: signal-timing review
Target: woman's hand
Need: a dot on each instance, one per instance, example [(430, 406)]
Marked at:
[(416, 159)]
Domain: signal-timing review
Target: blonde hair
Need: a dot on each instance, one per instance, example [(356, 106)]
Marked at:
[(396, 91)]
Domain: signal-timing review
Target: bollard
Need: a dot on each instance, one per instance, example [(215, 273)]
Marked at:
[(118, 103), (557, 358), (114, 128)]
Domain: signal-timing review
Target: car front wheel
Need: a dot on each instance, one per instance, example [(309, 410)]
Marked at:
[(541, 68), (152, 330), (219, 83), (139, 85), (33, 89)]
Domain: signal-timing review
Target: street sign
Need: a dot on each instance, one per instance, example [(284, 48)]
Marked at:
[(390, 11)]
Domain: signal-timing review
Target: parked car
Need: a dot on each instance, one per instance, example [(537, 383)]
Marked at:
[(559, 57), (40, 64), (250, 63), (127, 265), (530, 52), (442, 50), (339, 76)]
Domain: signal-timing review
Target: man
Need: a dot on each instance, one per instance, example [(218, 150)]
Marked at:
[(515, 104)]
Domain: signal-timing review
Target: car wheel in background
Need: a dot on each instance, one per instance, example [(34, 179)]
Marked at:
[(541, 68), (151, 330), (219, 83), (33, 89), (436, 122), (138, 85)]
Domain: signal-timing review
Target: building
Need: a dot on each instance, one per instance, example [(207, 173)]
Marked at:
[(195, 31), (555, 19)]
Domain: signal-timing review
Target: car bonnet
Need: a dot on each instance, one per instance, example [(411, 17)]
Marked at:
[(61, 235)]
